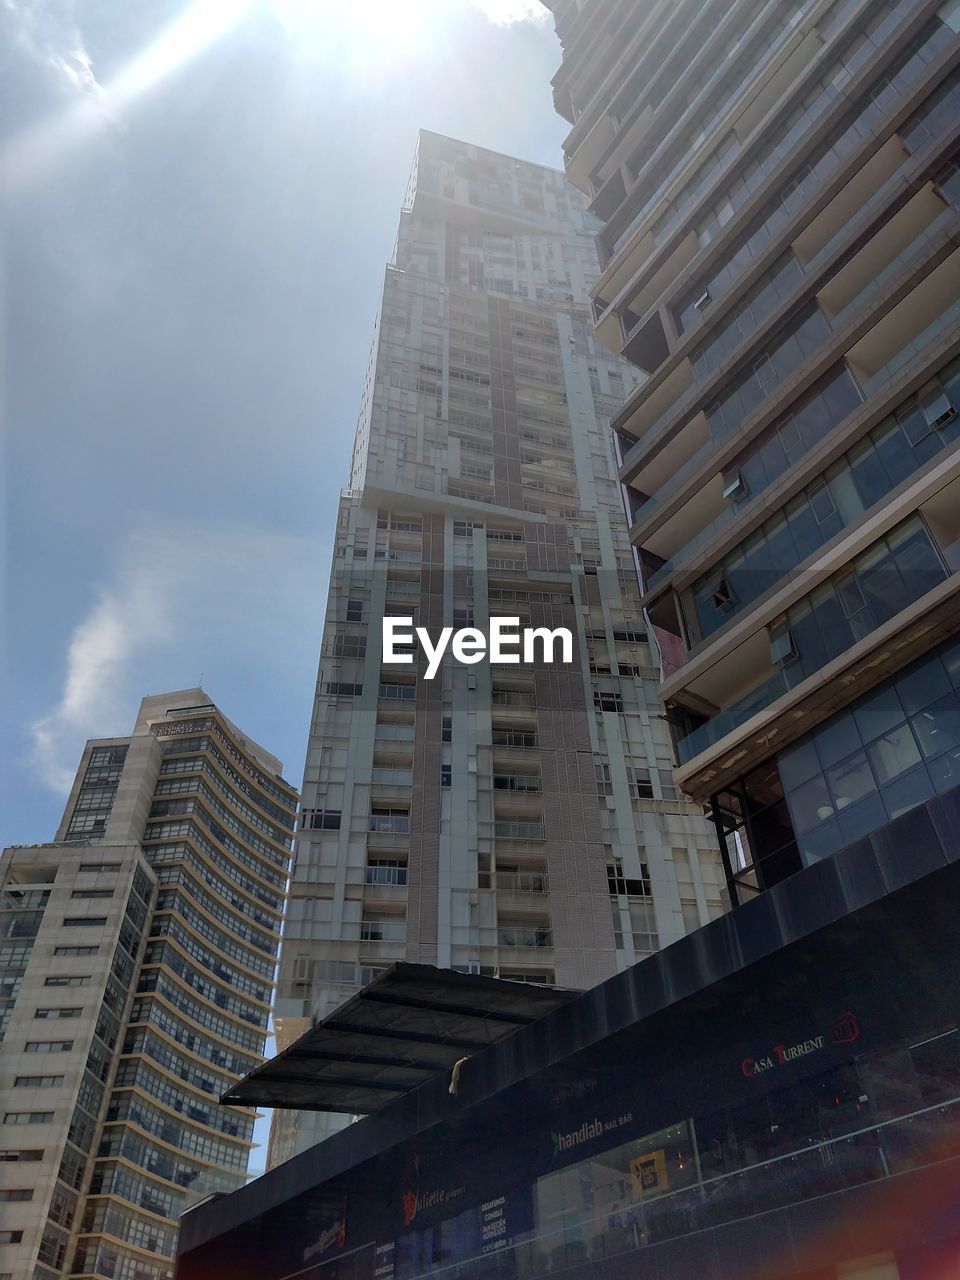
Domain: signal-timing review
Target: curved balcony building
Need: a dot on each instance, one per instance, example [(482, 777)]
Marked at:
[(780, 197)]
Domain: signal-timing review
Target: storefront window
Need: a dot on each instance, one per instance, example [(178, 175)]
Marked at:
[(605, 1205)]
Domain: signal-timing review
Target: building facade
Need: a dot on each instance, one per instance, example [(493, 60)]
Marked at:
[(774, 1097), (780, 197), (138, 953), (518, 821)]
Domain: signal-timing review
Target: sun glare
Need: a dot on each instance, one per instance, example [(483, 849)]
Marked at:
[(369, 30)]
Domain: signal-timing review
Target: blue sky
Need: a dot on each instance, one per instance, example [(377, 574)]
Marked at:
[(202, 198)]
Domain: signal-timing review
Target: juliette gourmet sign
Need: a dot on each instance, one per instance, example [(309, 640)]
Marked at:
[(507, 643)]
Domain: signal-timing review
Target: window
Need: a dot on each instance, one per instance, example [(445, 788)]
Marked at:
[(37, 1082), (641, 786), (67, 980), (354, 611), (782, 647), (619, 883), (11, 1237), (100, 866), (58, 1013), (446, 775), (721, 592), (398, 692), (389, 819), (28, 1117), (446, 729), (91, 893), (385, 871), (935, 407), (346, 646), (49, 1046), (382, 928), (12, 1156), (85, 922), (323, 819), (75, 951), (608, 701), (342, 689)]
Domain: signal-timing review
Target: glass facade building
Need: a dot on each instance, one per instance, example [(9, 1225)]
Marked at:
[(151, 941), (779, 185)]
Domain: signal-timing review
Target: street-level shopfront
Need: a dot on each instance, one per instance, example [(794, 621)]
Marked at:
[(802, 1111)]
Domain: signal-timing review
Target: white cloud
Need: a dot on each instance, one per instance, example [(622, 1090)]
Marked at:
[(49, 30), (178, 600), (506, 12)]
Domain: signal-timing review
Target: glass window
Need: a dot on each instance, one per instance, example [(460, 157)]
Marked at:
[(798, 763), (893, 754), (850, 780), (923, 684), (878, 712), (907, 792), (945, 771), (861, 818), (810, 804), (837, 739), (951, 662), (937, 728), (819, 841)]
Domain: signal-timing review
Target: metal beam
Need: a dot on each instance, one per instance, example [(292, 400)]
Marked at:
[(414, 1037), (436, 1006)]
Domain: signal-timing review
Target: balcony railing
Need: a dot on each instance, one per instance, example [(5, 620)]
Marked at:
[(516, 830), (524, 935), (397, 824), (522, 882), (522, 783), (887, 578)]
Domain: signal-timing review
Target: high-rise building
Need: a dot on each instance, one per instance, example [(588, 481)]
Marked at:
[(774, 1096), (513, 821), (137, 956), (780, 194)]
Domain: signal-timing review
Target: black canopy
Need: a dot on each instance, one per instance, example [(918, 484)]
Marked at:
[(411, 1023)]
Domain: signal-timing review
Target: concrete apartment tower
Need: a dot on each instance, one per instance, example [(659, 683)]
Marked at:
[(137, 956), (512, 821), (780, 197)]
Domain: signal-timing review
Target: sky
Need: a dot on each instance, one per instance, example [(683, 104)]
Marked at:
[(200, 199)]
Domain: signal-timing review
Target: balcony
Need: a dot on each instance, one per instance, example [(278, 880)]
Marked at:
[(927, 311), (523, 784), (396, 824), (901, 587), (525, 935), (515, 829), (517, 881)]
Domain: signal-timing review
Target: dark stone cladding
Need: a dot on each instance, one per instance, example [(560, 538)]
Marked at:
[(851, 900)]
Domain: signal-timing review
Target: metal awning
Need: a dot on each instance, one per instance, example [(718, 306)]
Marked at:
[(411, 1023)]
